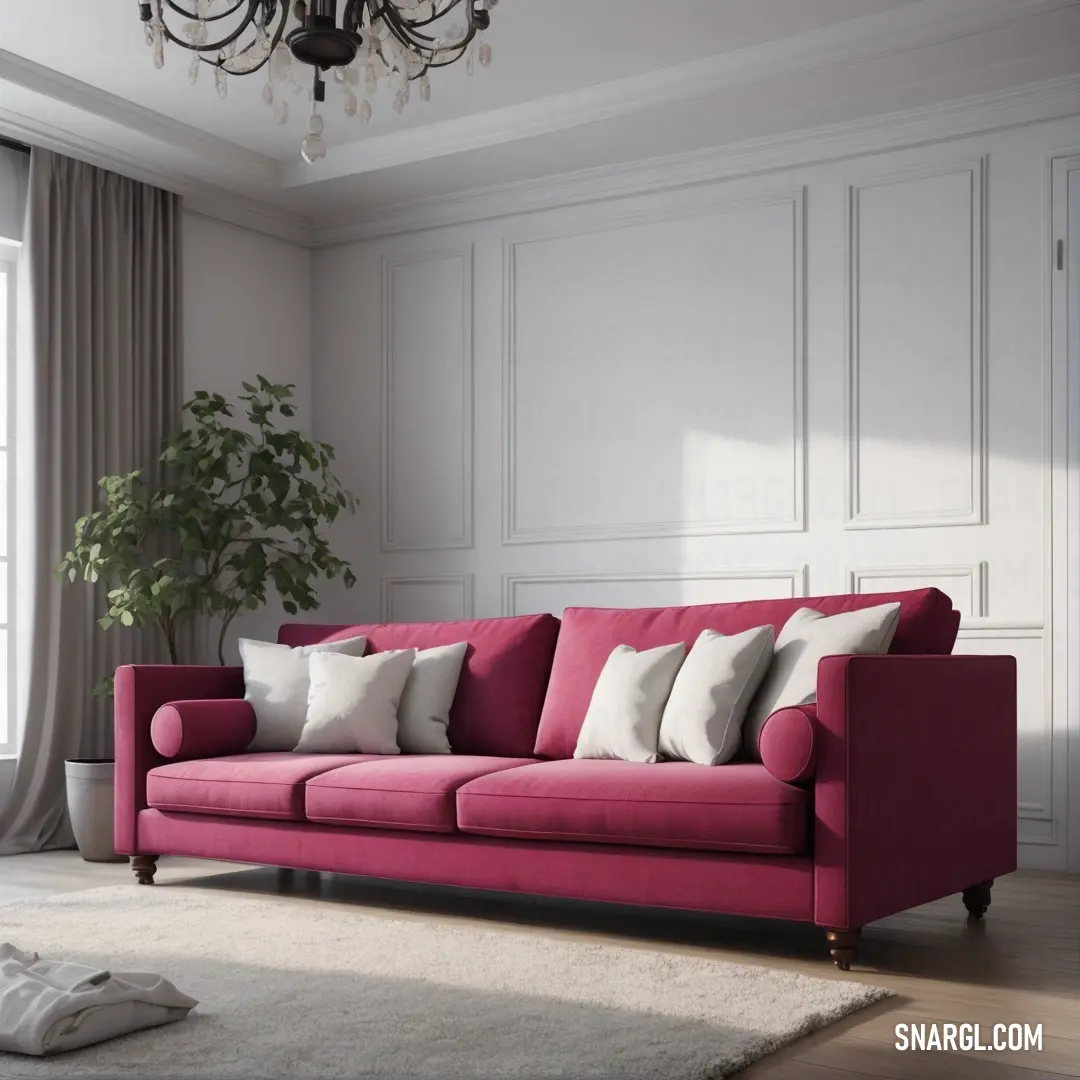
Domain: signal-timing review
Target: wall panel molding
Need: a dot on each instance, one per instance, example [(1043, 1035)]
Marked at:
[(974, 512), (389, 586), (973, 578), (391, 536), (513, 532), (796, 578), (1041, 810)]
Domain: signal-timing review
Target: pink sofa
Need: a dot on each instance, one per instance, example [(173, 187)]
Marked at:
[(898, 788)]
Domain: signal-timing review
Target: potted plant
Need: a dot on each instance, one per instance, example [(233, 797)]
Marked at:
[(241, 509)]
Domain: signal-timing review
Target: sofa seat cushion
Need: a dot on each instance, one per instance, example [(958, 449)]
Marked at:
[(411, 792), (674, 804), (262, 785)]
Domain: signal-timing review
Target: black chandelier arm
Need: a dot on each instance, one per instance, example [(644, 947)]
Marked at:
[(418, 42), (437, 16), (216, 46), (449, 57), (348, 16), (406, 31), (196, 17), (275, 40)]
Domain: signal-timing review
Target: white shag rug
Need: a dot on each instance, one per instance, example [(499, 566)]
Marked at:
[(291, 987)]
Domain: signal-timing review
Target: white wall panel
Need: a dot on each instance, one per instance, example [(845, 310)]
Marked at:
[(1039, 805), (427, 599), (964, 585), (654, 375), (526, 594), (427, 401), (915, 348)]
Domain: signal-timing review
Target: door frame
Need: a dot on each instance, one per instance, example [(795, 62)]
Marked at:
[(1063, 323)]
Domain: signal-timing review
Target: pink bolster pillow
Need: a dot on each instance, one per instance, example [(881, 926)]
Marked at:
[(183, 730), (788, 744)]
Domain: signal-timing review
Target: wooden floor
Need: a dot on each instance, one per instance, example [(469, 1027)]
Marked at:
[(1020, 965)]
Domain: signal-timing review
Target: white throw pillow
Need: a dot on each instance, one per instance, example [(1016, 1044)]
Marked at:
[(276, 684), (623, 720), (424, 712), (353, 703), (808, 636), (704, 715)]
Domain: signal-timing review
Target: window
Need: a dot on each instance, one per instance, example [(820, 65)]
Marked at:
[(8, 721)]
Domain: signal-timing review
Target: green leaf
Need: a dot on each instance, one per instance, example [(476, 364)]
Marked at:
[(241, 513)]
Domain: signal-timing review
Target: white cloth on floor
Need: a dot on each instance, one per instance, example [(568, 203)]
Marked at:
[(49, 1006)]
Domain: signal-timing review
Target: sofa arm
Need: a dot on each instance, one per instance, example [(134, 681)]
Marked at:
[(183, 730), (915, 788), (140, 690)]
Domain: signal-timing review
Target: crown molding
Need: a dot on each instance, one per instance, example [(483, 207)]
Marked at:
[(199, 198), (243, 163), (248, 189), (1031, 103), (866, 38)]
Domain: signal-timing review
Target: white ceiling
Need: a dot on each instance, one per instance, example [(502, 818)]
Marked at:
[(540, 48), (574, 84)]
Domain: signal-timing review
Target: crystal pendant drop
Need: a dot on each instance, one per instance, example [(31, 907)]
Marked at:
[(352, 103), (371, 80), (221, 82), (159, 45), (425, 88), (485, 55), (280, 62), (313, 148), (193, 70), (470, 64), (281, 111), (365, 110), (268, 94)]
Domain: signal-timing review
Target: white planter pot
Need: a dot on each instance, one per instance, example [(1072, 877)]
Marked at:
[(90, 804)]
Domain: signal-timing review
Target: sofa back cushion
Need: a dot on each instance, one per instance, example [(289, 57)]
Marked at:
[(501, 688), (928, 624)]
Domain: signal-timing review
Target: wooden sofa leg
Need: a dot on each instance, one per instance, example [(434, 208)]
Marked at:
[(977, 899), (842, 945), (144, 866)]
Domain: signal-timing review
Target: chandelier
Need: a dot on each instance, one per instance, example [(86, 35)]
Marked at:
[(393, 42)]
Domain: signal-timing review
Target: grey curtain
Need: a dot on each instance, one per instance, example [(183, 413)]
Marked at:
[(103, 388)]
